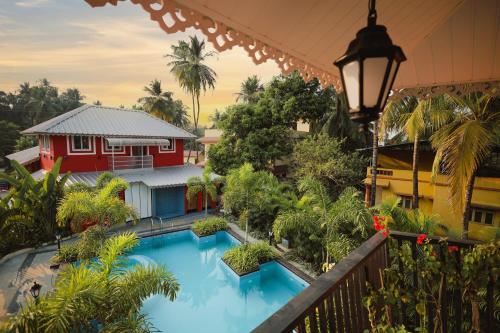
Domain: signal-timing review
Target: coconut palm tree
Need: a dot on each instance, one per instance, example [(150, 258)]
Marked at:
[(464, 144), (416, 119), (159, 103), (205, 184), (102, 207), (250, 90), (93, 294), (193, 75)]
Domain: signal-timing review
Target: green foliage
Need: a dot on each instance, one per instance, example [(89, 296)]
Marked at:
[(28, 211), (102, 206), (324, 158), (96, 291), (250, 90), (209, 226), (415, 221), (26, 142), (9, 133), (320, 229), (32, 104), (436, 267), (249, 135), (253, 196), (246, 258), (87, 247)]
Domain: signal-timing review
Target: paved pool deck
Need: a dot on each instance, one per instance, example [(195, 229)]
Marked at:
[(18, 273)]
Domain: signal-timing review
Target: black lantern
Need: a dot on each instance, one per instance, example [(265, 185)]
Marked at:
[(58, 238), (35, 290), (368, 69)]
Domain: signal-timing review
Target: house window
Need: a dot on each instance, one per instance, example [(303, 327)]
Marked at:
[(482, 216), (109, 148), (406, 202), (168, 147), (45, 142), (80, 143)]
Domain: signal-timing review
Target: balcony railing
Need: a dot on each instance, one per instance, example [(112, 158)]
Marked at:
[(130, 162), (334, 302)]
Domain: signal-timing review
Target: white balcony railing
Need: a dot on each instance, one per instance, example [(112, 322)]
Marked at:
[(130, 162)]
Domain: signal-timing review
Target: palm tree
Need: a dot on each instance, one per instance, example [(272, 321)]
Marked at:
[(464, 144), (102, 207), (159, 103), (35, 200), (416, 119), (95, 293), (373, 191), (187, 64), (250, 90), (205, 184), (181, 117)]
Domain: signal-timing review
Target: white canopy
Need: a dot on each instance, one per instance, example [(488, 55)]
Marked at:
[(118, 142), (448, 43)]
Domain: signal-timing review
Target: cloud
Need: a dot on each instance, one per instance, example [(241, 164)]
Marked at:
[(31, 3)]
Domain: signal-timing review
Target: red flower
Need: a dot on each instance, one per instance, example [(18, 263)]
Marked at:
[(382, 218), (385, 233), (453, 248), (421, 238), (375, 219)]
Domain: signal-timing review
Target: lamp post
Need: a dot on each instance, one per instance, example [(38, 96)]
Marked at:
[(35, 291), (368, 69), (58, 238)]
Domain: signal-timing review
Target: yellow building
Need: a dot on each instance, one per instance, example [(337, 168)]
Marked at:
[(394, 178)]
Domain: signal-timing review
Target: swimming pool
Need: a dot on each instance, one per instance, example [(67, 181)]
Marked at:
[(212, 298)]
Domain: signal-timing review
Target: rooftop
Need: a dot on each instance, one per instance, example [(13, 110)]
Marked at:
[(25, 156), (110, 122)]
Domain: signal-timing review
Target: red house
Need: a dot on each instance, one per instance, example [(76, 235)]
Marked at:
[(142, 149)]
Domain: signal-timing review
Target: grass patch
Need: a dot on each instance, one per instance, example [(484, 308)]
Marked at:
[(209, 226), (246, 258)]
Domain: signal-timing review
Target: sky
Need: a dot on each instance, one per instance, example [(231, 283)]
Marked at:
[(110, 53)]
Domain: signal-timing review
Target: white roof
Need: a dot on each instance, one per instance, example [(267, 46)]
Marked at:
[(112, 122), (159, 177), (25, 156)]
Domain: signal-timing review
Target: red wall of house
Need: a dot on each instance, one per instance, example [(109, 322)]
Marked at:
[(163, 159), (99, 161)]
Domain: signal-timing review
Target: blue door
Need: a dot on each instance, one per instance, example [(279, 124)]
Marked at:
[(169, 202)]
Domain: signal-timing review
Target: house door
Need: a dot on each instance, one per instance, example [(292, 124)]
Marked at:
[(139, 151), (169, 202)]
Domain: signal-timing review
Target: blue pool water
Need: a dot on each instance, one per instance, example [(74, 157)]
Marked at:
[(212, 298)]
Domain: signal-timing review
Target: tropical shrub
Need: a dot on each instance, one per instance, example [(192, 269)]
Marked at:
[(206, 184), (28, 211), (459, 272), (102, 206), (209, 226), (255, 197), (246, 258), (95, 293), (87, 247), (320, 229), (326, 160)]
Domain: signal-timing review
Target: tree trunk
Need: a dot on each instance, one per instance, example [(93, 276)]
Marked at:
[(373, 192), (415, 172), (467, 208), (194, 118), (196, 126)]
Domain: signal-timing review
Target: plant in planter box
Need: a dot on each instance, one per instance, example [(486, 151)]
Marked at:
[(209, 226), (246, 258)]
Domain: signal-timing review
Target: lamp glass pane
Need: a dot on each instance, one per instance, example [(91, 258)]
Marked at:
[(373, 72), (390, 80), (351, 80)]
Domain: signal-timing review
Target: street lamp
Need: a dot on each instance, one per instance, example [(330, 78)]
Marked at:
[(58, 238), (368, 69), (35, 290)]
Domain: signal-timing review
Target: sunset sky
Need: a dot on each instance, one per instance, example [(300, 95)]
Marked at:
[(109, 53)]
